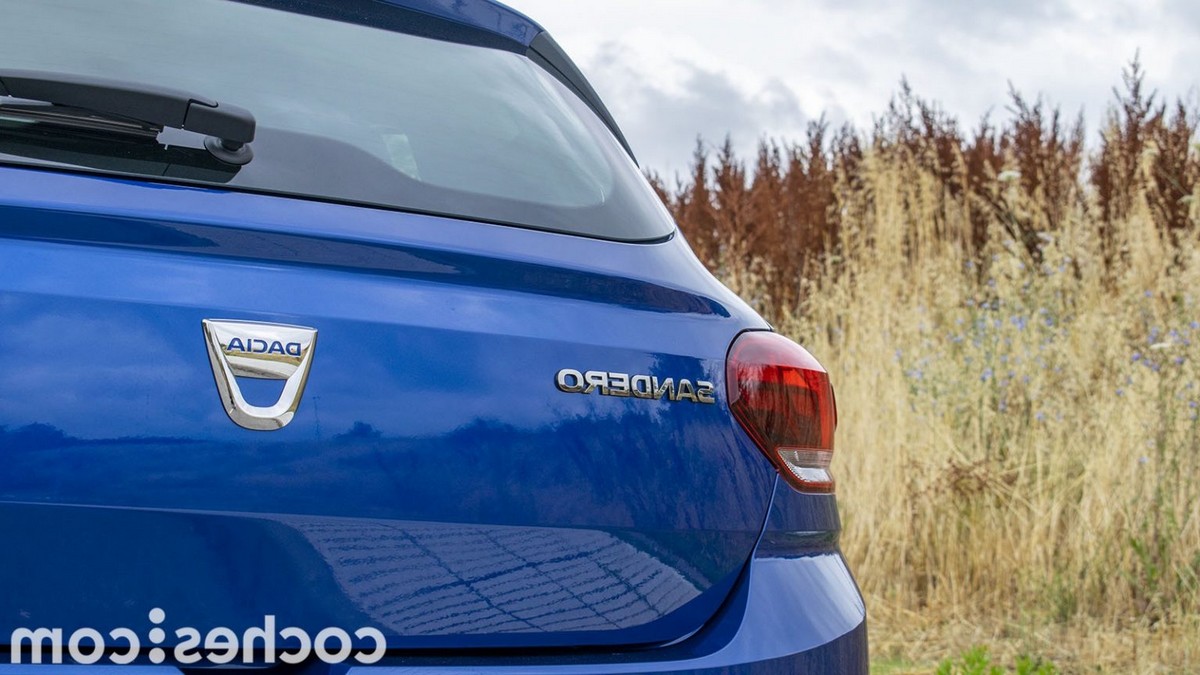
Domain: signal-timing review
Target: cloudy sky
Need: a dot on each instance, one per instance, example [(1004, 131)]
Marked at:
[(674, 69)]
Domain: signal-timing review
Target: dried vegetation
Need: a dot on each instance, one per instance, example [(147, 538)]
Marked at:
[(1011, 318)]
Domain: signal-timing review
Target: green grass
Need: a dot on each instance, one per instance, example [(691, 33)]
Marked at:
[(977, 661)]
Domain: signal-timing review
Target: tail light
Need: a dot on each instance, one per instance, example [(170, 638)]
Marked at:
[(782, 397)]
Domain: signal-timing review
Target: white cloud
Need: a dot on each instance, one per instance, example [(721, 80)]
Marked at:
[(672, 68), (663, 118)]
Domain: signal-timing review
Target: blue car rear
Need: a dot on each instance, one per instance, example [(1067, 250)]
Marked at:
[(502, 419)]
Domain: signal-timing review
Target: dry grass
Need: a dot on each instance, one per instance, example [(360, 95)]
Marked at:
[(1022, 449), (1012, 329), (914, 643)]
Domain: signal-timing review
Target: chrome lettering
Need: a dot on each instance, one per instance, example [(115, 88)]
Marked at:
[(666, 387), (624, 385), (561, 381), (641, 387), (596, 378), (618, 384)]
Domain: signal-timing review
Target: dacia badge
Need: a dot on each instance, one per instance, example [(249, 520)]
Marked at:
[(268, 351)]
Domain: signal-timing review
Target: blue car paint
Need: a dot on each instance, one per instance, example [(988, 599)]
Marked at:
[(101, 269), (132, 460), (486, 16), (796, 609), (380, 437)]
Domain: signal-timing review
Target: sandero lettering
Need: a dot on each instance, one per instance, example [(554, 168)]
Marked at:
[(624, 385)]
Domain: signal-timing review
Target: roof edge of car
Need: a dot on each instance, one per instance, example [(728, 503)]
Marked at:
[(463, 23), (545, 52), (484, 23)]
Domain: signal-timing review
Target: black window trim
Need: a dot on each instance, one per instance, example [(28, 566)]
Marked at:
[(542, 49), (545, 52)]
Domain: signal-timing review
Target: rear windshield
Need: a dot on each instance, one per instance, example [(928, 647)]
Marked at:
[(345, 113)]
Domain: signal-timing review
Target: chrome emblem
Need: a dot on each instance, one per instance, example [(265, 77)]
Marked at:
[(266, 351), (571, 381)]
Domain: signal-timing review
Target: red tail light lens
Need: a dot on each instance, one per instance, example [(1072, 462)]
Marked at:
[(782, 397)]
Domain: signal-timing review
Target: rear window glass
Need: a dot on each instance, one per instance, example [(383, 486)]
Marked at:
[(345, 113)]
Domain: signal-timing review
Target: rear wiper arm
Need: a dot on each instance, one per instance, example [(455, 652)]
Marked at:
[(228, 128)]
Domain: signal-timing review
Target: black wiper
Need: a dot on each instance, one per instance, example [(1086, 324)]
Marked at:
[(77, 119), (126, 153), (228, 128)]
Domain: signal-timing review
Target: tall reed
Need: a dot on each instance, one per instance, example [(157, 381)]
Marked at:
[(1011, 319)]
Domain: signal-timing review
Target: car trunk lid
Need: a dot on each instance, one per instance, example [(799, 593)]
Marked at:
[(441, 479)]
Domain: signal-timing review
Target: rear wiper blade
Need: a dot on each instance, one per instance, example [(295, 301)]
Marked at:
[(110, 152), (228, 128), (78, 119)]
